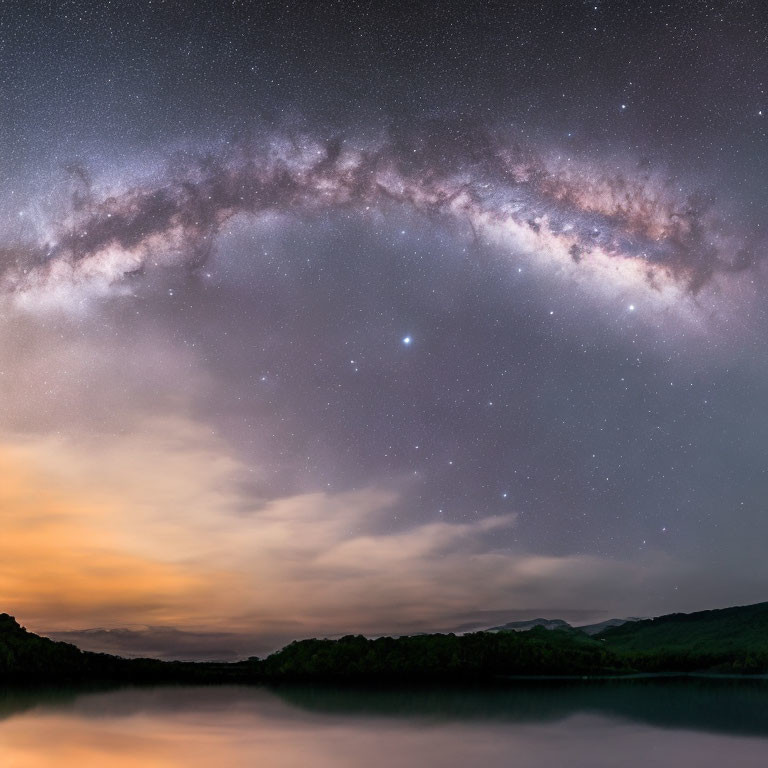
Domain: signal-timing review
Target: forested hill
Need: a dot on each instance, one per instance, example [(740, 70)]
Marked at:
[(734, 638), (26, 658), (471, 657), (729, 640)]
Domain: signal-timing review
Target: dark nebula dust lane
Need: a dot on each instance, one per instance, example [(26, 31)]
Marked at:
[(624, 228)]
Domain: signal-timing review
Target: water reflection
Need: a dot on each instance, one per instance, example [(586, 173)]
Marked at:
[(735, 706), (630, 724)]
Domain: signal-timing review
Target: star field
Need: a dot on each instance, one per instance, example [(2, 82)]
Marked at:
[(353, 308)]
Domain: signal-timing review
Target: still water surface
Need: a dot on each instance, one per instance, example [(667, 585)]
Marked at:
[(595, 725)]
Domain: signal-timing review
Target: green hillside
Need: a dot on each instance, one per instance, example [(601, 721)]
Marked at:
[(731, 639)]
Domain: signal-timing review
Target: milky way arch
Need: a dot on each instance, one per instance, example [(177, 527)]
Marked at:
[(624, 228)]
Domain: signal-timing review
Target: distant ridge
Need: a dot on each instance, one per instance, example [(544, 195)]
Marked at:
[(524, 626), (589, 629), (595, 629)]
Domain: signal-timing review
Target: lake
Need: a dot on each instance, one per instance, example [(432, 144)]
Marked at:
[(591, 724)]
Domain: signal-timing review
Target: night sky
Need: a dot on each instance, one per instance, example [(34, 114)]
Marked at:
[(336, 317)]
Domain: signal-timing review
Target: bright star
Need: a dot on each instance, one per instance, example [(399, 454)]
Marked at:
[(631, 307), (407, 340)]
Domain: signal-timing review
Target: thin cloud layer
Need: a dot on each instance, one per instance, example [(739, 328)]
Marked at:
[(86, 544)]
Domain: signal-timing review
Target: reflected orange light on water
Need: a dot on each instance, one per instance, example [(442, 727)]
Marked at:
[(239, 727)]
